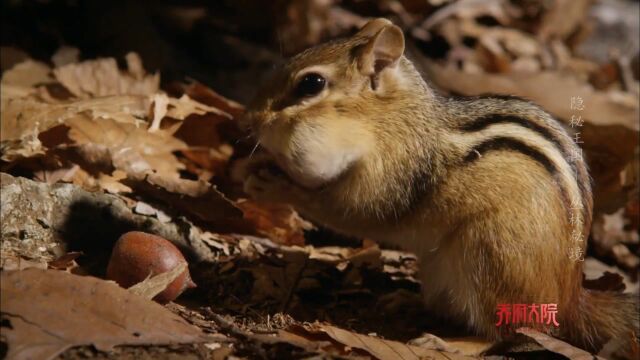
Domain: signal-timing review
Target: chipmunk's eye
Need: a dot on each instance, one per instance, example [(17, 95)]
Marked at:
[(311, 84)]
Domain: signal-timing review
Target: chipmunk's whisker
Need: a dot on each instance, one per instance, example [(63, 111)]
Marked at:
[(254, 149), (251, 135)]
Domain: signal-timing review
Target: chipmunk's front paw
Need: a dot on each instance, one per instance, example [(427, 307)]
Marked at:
[(268, 185)]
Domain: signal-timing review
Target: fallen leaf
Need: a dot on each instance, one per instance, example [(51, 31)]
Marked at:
[(624, 257), (24, 119), (552, 90), (65, 55), (470, 346), (126, 146), (610, 230), (557, 346), (466, 9), (66, 310), (143, 208), (67, 262), (179, 109), (205, 95), (562, 18), (607, 282), (102, 77), (594, 268), (154, 285), (278, 222), (199, 199), (345, 342), (27, 74)]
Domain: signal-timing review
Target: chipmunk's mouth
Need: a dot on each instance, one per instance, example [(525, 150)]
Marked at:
[(312, 155)]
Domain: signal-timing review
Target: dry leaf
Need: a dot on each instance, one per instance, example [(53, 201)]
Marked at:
[(27, 74), (67, 262), (65, 55), (607, 282), (609, 231), (66, 310), (563, 17), (127, 147), (552, 90), (470, 346), (154, 285), (346, 342), (179, 109), (278, 222), (467, 9), (557, 346), (207, 96), (185, 106), (199, 199), (24, 119), (102, 77)]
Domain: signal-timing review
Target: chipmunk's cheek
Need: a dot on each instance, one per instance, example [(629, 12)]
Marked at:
[(319, 155)]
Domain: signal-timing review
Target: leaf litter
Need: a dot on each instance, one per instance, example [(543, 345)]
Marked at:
[(167, 155)]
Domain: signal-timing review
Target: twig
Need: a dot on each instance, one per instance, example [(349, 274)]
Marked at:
[(294, 285), (232, 329)]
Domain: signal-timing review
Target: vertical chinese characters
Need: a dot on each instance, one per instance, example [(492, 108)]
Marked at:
[(576, 252)]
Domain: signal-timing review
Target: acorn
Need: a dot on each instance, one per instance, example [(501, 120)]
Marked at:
[(136, 255)]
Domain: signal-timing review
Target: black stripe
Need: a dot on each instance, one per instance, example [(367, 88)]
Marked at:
[(504, 97), (490, 96), (485, 121), (505, 143), (511, 144)]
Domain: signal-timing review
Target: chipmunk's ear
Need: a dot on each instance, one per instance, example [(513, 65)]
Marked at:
[(383, 49)]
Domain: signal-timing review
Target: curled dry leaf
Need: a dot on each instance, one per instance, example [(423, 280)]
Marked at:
[(66, 310), (67, 262), (470, 346), (179, 109), (207, 96), (154, 285), (344, 342), (557, 346)]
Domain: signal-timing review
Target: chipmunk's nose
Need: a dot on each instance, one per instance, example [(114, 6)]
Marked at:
[(256, 120)]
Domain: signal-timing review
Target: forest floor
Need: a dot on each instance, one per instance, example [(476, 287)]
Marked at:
[(94, 144)]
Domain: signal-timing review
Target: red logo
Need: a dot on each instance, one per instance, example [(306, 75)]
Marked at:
[(542, 314)]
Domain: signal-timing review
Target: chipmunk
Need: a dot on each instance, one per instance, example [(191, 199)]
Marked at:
[(485, 190)]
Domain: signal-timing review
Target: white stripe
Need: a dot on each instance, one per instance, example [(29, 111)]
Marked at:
[(536, 141)]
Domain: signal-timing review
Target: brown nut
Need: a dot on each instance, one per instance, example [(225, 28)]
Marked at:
[(136, 255)]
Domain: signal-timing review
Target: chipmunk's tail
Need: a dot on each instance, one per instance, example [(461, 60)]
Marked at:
[(599, 316)]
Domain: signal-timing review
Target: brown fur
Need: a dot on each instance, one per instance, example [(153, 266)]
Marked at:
[(486, 207)]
